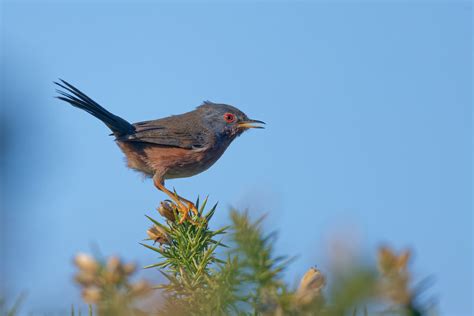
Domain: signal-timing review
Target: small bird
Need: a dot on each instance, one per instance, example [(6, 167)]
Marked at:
[(177, 146)]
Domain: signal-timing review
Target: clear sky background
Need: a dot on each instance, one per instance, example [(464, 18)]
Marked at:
[(368, 138)]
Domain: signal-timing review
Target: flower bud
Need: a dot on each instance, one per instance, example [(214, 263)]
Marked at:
[(129, 268), (158, 234), (310, 286), (140, 288), (395, 280), (166, 210), (312, 280), (86, 263), (389, 262), (113, 263), (85, 278), (91, 295)]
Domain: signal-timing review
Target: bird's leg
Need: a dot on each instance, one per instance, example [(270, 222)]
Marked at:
[(177, 199), (181, 207), (190, 207)]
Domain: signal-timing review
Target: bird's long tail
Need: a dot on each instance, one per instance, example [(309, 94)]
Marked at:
[(76, 98)]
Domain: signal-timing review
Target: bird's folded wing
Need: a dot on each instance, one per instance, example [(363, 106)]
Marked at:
[(165, 133)]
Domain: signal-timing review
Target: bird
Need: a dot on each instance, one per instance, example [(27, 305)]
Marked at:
[(177, 146)]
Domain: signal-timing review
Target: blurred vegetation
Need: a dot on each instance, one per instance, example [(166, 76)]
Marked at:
[(7, 310), (205, 274), (107, 285)]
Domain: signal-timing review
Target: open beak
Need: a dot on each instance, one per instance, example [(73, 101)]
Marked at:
[(251, 124)]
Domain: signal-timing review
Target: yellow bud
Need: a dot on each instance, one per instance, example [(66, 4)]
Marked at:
[(395, 280), (85, 278), (91, 295), (403, 258), (113, 263), (312, 280), (310, 286), (112, 277), (389, 262), (86, 263)]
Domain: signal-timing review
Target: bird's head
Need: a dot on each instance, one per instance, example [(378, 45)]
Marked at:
[(225, 120)]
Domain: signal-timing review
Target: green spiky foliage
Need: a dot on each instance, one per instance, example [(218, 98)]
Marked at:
[(196, 277), (249, 280), (200, 283), (77, 311), (260, 270)]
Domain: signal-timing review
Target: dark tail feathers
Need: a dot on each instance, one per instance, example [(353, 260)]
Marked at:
[(78, 99)]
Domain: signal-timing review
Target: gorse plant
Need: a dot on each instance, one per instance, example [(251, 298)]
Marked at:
[(189, 262), (202, 284), (206, 274), (260, 270), (107, 285)]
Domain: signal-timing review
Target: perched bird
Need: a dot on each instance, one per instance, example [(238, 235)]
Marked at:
[(177, 146)]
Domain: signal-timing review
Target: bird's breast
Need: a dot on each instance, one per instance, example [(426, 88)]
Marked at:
[(180, 162)]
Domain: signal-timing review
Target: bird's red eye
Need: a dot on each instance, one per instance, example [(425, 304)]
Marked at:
[(229, 117)]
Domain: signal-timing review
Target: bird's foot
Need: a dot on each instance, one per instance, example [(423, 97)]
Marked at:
[(185, 211), (183, 205), (193, 208)]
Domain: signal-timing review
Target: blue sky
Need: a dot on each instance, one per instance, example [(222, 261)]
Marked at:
[(369, 131)]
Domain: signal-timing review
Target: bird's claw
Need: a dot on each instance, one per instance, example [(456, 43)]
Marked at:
[(184, 210), (193, 208), (181, 204)]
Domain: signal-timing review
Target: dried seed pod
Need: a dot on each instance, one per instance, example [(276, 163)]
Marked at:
[(158, 234), (167, 210)]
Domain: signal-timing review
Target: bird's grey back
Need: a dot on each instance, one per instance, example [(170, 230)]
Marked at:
[(184, 131)]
